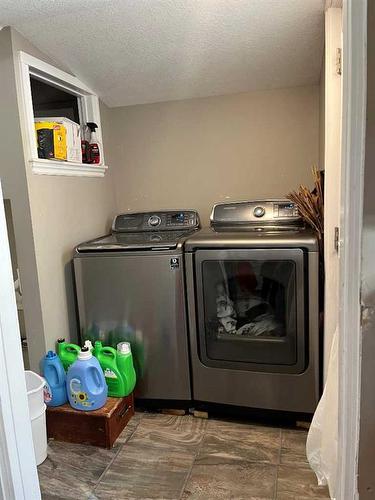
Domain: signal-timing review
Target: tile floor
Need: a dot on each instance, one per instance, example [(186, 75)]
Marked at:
[(182, 457)]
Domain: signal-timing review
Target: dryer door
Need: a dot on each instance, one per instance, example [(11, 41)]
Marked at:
[(251, 309)]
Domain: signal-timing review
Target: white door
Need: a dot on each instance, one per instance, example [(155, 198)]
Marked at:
[(344, 150), (18, 473), (332, 163), (352, 187)]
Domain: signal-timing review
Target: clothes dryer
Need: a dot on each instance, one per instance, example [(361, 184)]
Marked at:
[(252, 290)]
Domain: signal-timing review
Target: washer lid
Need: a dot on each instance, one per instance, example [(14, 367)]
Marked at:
[(121, 242)]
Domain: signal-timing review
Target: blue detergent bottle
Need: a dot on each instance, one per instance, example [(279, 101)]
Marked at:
[(85, 382), (54, 374)]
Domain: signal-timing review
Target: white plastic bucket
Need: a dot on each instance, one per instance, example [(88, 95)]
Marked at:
[(37, 411), (35, 397), (39, 430)]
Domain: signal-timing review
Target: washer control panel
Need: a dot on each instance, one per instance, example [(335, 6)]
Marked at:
[(259, 212), (168, 220)]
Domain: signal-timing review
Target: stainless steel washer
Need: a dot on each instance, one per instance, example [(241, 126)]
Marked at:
[(252, 288), (130, 286)]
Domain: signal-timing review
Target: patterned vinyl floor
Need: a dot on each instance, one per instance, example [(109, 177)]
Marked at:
[(182, 457)]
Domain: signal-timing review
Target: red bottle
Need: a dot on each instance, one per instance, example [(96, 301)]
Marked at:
[(94, 147)]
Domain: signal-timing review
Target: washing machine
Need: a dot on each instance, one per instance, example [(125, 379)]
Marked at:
[(252, 283), (130, 286)]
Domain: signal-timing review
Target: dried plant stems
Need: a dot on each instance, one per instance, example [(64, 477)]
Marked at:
[(311, 204)]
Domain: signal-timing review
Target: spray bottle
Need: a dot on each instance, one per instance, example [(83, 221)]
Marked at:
[(94, 146), (85, 145)]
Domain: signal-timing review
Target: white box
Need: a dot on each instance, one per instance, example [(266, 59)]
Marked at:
[(73, 136)]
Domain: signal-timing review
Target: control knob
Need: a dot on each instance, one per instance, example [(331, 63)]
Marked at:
[(259, 211), (154, 220)]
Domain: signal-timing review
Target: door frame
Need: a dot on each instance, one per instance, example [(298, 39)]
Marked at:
[(352, 187), (18, 472)]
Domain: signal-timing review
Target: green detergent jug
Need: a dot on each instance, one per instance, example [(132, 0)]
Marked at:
[(117, 368), (68, 353), (126, 366)]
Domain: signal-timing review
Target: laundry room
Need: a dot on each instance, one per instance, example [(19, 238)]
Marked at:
[(170, 187)]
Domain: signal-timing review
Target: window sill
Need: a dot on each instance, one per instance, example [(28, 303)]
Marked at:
[(55, 167)]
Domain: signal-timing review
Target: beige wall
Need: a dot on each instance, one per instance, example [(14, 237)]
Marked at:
[(179, 154), (14, 183), (193, 153), (64, 212)]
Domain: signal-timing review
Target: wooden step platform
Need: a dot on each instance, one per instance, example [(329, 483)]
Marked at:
[(99, 427)]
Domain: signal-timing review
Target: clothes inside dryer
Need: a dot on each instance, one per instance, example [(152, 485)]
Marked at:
[(252, 298), (249, 300)]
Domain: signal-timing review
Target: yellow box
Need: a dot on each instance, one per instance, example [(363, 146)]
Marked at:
[(51, 140)]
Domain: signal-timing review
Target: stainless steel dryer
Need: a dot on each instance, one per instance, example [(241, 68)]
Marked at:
[(252, 288), (130, 286)]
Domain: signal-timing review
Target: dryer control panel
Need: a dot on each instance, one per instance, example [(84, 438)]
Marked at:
[(167, 220), (257, 212)]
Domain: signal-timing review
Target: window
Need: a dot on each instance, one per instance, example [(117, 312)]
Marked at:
[(46, 91), (51, 101)]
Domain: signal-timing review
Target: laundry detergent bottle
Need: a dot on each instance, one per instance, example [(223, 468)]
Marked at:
[(85, 382), (68, 353), (126, 366), (107, 360), (118, 369), (54, 374)]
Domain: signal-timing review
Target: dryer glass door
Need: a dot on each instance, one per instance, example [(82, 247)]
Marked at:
[(251, 309)]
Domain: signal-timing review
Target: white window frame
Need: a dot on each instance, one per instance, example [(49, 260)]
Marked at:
[(29, 66)]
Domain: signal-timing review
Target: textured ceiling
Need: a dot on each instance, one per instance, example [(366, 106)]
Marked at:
[(137, 51)]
